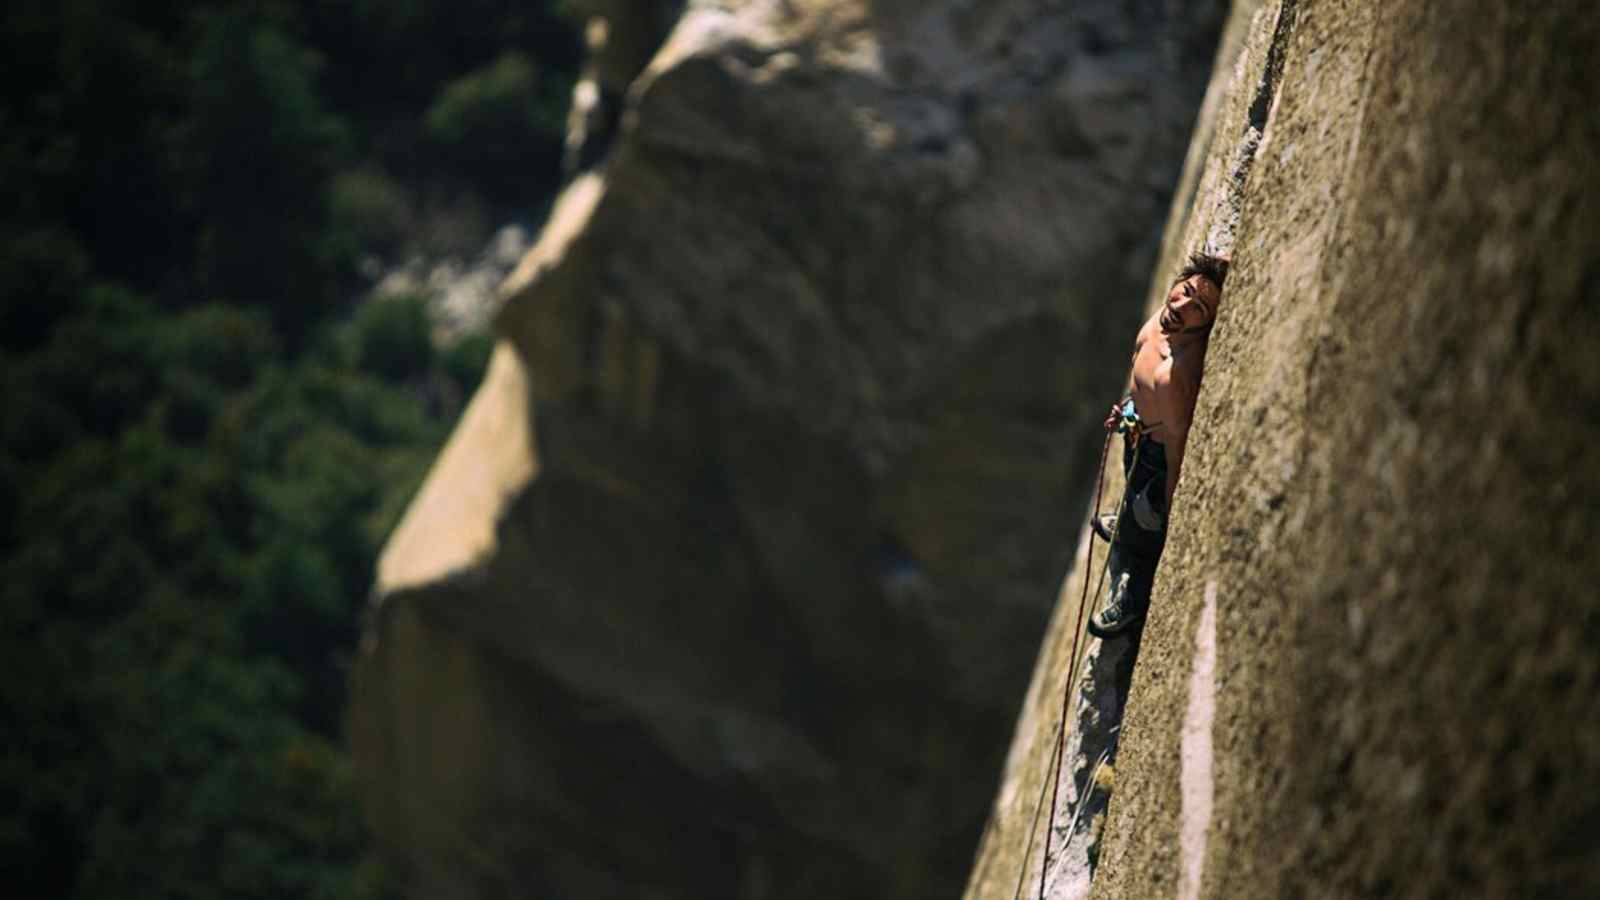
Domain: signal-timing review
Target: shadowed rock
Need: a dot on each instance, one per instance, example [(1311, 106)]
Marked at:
[(729, 579)]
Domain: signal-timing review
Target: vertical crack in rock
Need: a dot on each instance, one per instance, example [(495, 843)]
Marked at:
[(1102, 689), (1225, 219), (1102, 694), (1229, 138), (1267, 90), (1402, 640)]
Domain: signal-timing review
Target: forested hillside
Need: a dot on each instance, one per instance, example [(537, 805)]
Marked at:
[(206, 434)]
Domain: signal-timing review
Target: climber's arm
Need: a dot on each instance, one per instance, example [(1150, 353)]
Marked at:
[(1174, 444), (1182, 389)]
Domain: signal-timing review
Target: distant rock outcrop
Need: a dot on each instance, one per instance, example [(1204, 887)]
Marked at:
[(462, 292), (729, 579), (1371, 663)]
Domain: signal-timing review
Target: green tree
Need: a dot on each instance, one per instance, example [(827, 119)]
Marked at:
[(265, 150), (203, 449), (498, 116)]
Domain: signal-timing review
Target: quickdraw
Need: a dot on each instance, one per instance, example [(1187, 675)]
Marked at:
[(1128, 421)]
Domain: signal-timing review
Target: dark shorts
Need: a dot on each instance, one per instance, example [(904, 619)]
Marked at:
[(1146, 470), (1138, 548)]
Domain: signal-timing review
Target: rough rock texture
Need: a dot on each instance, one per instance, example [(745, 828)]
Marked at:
[(1017, 852), (1372, 659), (816, 359), (620, 37)]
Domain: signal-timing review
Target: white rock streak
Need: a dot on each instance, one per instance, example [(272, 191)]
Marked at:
[(1197, 777)]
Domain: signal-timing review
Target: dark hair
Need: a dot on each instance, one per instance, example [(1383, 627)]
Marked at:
[(1213, 268)]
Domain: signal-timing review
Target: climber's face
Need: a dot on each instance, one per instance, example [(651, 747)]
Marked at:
[(1191, 305)]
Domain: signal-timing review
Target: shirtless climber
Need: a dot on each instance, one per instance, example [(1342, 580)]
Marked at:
[(1169, 356)]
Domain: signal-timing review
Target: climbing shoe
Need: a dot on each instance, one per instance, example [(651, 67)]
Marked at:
[(1104, 527), (1121, 614)]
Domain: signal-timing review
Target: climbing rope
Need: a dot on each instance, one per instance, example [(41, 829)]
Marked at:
[(1088, 790), (1131, 426), (1072, 669), (1038, 807)]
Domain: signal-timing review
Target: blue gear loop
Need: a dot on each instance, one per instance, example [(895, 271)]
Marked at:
[(1128, 421)]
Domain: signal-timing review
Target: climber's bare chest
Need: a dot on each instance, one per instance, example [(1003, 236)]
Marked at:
[(1155, 362)]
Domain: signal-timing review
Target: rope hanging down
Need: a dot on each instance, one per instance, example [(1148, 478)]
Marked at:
[(1130, 423)]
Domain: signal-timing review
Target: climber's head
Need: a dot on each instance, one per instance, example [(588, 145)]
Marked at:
[(1191, 305)]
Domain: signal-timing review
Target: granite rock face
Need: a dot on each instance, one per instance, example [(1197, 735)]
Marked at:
[(728, 580), (1373, 652), (620, 37)]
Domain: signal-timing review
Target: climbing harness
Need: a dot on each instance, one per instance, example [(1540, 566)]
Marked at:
[(1131, 424), (1133, 428), (1128, 420)]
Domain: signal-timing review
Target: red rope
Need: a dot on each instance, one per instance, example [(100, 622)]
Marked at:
[(1072, 670)]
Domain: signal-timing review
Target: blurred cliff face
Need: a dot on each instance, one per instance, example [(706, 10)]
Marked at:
[(729, 577)]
